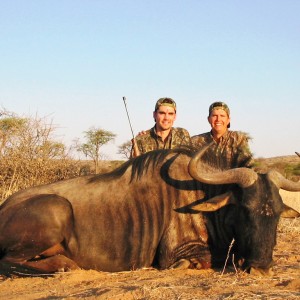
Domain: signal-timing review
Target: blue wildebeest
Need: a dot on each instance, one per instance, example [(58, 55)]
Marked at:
[(154, 210)]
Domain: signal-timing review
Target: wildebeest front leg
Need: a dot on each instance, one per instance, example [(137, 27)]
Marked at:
[(45, 266), (193, 263), (57, 263), (181, 264), (37, 234)]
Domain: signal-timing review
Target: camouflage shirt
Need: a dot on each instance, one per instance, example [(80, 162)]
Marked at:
[(231, 151), (151, 141)]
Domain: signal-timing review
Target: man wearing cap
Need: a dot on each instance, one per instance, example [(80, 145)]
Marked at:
[(230, 148), (163, 135)]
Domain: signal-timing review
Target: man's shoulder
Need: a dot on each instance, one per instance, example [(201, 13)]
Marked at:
[(201, 136), (239, 135), (201, 139), (144, 136), (180, 130)]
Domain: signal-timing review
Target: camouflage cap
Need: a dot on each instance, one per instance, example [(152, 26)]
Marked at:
[(219, 105), (166, 102)]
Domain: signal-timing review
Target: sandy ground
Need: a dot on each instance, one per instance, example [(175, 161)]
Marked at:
[(227, 283)]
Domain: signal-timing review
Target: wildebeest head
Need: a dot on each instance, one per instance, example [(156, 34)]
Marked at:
[(257, 211)]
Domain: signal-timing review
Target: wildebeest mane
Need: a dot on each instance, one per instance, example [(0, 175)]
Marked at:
[(141, 164)]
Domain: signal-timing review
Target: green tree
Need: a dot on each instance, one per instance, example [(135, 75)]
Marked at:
[(125, 149), (95, 139)]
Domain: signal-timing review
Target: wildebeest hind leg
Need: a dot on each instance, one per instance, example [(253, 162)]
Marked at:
[(38, 234), (45, 266), (56, 263)]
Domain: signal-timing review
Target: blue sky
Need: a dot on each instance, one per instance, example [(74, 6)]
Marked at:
[(74, 61)]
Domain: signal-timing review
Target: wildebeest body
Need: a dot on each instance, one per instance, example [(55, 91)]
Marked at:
[(149, 212), (109, 224)]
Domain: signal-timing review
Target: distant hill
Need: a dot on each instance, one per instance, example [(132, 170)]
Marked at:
[(289, 159), (289, 165)]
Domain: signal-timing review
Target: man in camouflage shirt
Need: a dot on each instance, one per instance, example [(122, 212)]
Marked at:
[(230, 148), (163, 135)]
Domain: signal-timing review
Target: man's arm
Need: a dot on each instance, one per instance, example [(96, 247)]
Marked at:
[(244, 155), (135, 149)]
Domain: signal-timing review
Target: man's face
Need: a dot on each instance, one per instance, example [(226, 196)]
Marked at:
[(164, 117), (218, 121)]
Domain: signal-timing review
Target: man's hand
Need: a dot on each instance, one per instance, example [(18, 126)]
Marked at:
[(143, 132), (135, 150)]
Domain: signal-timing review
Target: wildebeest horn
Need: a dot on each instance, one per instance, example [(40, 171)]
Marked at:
[(298, 154), (283, 183), (205, 173)]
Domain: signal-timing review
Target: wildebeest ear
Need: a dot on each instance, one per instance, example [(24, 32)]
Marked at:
[(216, 202), (289, 212)]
